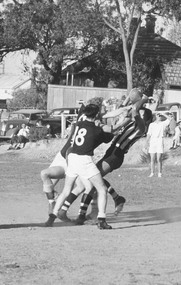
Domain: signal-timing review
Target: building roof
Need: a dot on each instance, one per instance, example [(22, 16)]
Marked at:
[(173, 73), (12, 81), (153, 45)]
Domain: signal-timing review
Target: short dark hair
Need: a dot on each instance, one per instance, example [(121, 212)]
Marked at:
[(148, 117), (91, 110)]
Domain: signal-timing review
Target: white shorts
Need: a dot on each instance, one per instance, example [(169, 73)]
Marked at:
[(59, 160), (81, 165), (156, 145)]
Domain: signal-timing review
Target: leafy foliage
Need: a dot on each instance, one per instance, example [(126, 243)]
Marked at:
[(145, 157), (37, 134), (119, 18), (72, 29), (26, 99), (52, 30)]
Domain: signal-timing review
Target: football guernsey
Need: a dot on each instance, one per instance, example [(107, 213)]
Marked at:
[(87, 137), (69, 140)]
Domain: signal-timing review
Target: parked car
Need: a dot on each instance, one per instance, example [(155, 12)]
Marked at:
[(54, 119), (17, 118), (173, 107)]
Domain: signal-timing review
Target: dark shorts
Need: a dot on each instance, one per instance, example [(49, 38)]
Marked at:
[(22, 139), (114, 157)]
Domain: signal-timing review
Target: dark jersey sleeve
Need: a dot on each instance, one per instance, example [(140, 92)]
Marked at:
[(140, 123), (107, 137), (68, 142)]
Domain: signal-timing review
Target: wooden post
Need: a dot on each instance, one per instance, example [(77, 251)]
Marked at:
[(67, 78), (72, 79), (63, 125)]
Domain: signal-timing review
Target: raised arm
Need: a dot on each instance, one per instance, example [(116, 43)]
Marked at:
[(136, 114)]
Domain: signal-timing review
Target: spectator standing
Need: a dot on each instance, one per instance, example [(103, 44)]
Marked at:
[(176, 138), (171, 126), (155, 141)]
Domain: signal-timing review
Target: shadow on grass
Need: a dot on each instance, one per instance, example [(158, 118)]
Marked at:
[(36, 225), (127, 219), (146, 217)]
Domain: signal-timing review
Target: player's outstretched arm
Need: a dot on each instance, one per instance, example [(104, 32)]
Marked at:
[(116, 112), (136, 115)]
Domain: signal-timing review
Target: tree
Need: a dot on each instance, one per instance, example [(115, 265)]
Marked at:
[(50, 28), (73, 29), (23, 99), (118, 16)]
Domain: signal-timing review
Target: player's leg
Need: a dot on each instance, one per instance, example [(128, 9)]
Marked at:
[(69, 182), (90, 175), (119, 201), (86, 199), (106, 165), (79, 188), (101, 188), (50, 176)]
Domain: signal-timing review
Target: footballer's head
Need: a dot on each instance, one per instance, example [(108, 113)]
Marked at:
[(91, 111), (135, 95)]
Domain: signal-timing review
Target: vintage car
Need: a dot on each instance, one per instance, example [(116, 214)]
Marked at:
[(17, 118), (60, 118)]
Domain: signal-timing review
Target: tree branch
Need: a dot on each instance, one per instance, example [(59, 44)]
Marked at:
[(111, 26), (129, 20), (135, 40)]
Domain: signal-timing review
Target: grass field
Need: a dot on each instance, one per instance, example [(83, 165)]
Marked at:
[(144, 247)]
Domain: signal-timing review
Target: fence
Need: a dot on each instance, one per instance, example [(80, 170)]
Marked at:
[(70, 96)]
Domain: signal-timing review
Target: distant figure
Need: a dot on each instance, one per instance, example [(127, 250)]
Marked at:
[(3, 128), (14, 139), (39, 123), (176, 138), (172, 126), (1, 113), (22, 136)]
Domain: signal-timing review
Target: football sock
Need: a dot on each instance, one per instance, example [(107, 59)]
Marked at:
[(51, 201), (68, 202), (85, 201), (111, 190)]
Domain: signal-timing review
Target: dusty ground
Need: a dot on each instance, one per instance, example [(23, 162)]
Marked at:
[(143, 248)]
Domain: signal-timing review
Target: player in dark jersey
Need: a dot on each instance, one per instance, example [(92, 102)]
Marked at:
[(86, 138), (56, 171), (113, 159)]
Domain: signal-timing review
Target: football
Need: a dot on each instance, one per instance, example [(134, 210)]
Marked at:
[(135, 95)]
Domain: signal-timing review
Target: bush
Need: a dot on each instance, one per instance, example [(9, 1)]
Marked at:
[(145, 157), (27, 98), (38, 133)]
